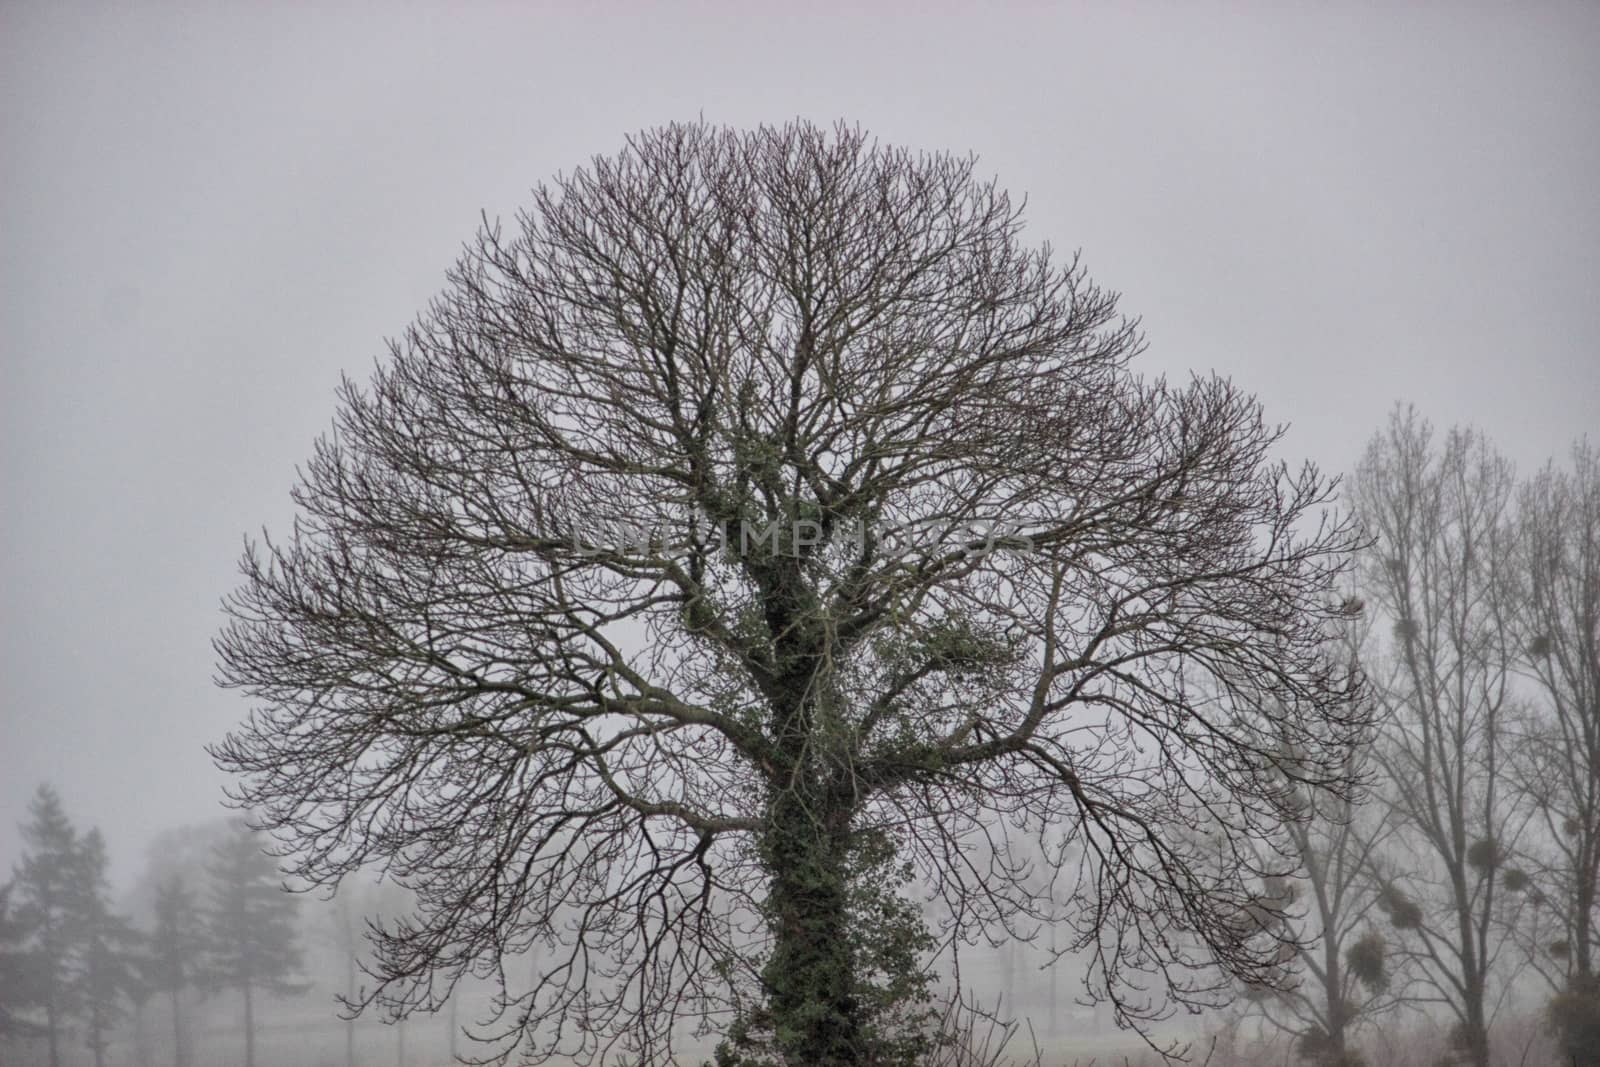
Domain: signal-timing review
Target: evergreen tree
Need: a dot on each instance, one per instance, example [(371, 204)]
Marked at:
[(139, 995), (17, 991), (251, 926), (104, 971), (177, 947), (47, 900)]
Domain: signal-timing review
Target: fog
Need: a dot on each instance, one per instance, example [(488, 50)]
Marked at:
[(209, 214)]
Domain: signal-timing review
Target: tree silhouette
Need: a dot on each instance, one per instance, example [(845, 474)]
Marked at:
[(106, 970), (47, 898), (18, 990), (743, 536), (177, 953), (252, 943), (1439, 575)]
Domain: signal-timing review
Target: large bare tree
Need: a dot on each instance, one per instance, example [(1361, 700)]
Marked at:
[(1440, 575), (745, 536)]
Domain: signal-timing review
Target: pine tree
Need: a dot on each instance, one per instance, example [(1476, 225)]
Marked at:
[(47, 900), (250, 926), (177, 948)]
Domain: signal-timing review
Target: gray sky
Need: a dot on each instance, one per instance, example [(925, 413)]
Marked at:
[(207, 214)]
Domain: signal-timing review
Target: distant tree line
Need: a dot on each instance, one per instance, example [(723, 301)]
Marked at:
[(72, 967), (1469, 877)]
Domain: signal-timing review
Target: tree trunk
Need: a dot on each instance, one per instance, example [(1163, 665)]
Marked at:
[(1477, 1049), (50, 1027), (1055, 985), (350, 1024), (1474, 1029), (347, 929), (180, 1053), (455, 1028), (1583, 914), (141, 1038), (249, 1027), (1333, 994), (811, 976), (97, 1042)]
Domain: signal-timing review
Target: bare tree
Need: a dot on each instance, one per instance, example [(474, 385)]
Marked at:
[(741, 538), (1558, 764), (1439, 572)]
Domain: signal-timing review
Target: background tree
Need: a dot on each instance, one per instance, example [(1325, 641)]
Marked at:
[(169, 897), (1558, 764), (47, 883), (177, 953), (1342, 968), (1439, 573), (900, 551), (141, 991), (106, 969), (18, 991), (347, 928), (389, 907), (363, 910), (252, 942)]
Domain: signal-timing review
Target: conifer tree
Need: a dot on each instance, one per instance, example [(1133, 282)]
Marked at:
[(46, 902), (17, 991), (104, 971), (250, 926), (177, 952)]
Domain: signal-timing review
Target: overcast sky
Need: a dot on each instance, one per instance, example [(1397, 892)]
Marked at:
[(207, 213)]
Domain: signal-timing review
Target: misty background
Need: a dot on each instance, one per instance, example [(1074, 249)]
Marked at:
[(210, 213)]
